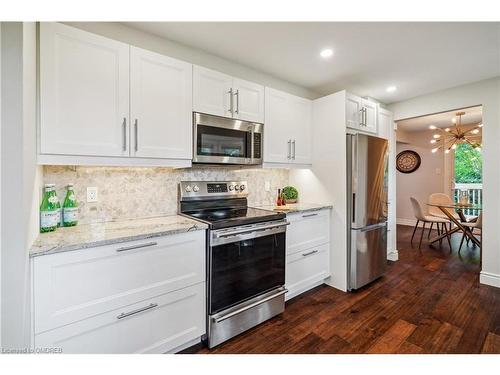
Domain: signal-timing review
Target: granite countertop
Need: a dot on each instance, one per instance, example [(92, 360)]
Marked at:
[(110, 232), (297, 207)]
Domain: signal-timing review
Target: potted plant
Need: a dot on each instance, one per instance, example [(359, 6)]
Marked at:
[(290, 194)]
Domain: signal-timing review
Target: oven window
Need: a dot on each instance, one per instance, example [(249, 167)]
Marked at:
[(245, 269), (213, 141)]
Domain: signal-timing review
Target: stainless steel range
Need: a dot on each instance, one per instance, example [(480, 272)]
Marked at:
[(245, 257)]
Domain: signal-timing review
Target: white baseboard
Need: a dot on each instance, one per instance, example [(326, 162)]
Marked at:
[(489, 279), (393, 255)]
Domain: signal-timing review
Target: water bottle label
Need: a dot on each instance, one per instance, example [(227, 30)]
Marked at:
[(70, 214), (48, 219), (53, 199)]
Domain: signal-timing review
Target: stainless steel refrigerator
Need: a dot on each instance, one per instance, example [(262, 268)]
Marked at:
[(366, 208)]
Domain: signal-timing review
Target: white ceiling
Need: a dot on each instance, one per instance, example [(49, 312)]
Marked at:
[(473, 116), (418, 58)]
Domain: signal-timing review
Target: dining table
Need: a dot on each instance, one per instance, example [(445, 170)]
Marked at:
[(448, 210)]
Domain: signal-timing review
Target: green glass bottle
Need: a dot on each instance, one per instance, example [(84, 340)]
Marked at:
[(70, 208), (48, 210)]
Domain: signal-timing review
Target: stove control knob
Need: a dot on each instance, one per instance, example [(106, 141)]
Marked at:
[(196, 188), (231, 187), (236, 187), (188, 188), (242, 187)]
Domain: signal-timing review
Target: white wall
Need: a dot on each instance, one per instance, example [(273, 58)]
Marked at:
[(19, 172), (326, 181), (486, 93), (138, 38), (411, 184)]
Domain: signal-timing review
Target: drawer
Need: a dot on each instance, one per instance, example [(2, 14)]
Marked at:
[(305, 268), (306, 230), (155, 325), (75, 285)]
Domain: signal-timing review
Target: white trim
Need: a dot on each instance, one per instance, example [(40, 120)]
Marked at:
[(46, 159), (184, 346), (393, 256), (487, 278), (286, 165)]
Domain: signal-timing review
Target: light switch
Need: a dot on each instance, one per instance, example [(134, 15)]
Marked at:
[(267, 186)]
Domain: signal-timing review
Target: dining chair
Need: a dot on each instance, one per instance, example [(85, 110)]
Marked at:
[(471, 225), (421, 217), (444, 199)]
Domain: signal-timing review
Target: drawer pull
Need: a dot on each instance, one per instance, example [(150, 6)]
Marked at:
[(126, 248), (309, 215), (124, 315), (309, 253)]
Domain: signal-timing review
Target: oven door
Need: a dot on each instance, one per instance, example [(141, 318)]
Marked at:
[(245, 262), (219, 140)]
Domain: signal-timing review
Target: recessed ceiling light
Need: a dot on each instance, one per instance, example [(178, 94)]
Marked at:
[(327, 52), (391, 89)]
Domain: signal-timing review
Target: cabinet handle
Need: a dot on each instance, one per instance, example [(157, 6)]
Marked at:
[(133, 312), (139, 246), (309, 253), (136, 133), (364, 116), (309, 215), (289, 150), (230, 92), (293, 152), (237, 101), (124, 129)]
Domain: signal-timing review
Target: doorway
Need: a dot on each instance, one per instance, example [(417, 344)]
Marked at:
[(448, 147)]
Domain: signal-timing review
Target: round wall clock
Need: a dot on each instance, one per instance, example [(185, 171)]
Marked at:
[(407, 161)]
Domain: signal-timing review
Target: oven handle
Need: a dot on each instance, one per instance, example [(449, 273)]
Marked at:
[(253, 229), (248, 307)]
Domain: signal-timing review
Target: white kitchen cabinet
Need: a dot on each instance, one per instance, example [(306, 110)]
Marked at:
[(361, 114), (84, 93), (386, 130), (287, 138), (103, 102), (150, 291), (219, 94), (307, 251), (212, 92), (156, 325), (160, 106), (248, 100)]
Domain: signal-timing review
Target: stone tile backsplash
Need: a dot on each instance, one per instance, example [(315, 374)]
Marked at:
[(141, 192)]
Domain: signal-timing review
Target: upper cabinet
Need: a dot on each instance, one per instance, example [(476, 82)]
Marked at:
[(84, 93), (218, 94), (160, 105), (385, 124), (104, 102), (287, 130), (361, 114)]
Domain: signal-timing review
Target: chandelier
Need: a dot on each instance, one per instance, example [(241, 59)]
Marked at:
[(447, 139)]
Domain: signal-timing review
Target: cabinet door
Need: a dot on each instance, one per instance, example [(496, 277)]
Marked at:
[(353, 111), (385, 124), (370, 120), (212, 92), (301, 114), (84, 93), (160, 106), (248, 100), (277, 133)]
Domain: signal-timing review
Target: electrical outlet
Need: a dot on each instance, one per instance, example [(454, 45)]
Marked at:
[(267, 186), (92, 194)]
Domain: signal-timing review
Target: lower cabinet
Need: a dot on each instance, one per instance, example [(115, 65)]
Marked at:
[(308, 251), (145, 296), (156, 325)]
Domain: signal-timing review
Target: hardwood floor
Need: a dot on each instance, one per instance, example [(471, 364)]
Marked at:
[(426, 303)]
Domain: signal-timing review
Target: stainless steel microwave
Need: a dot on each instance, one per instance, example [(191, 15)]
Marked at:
[(220, 140)]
